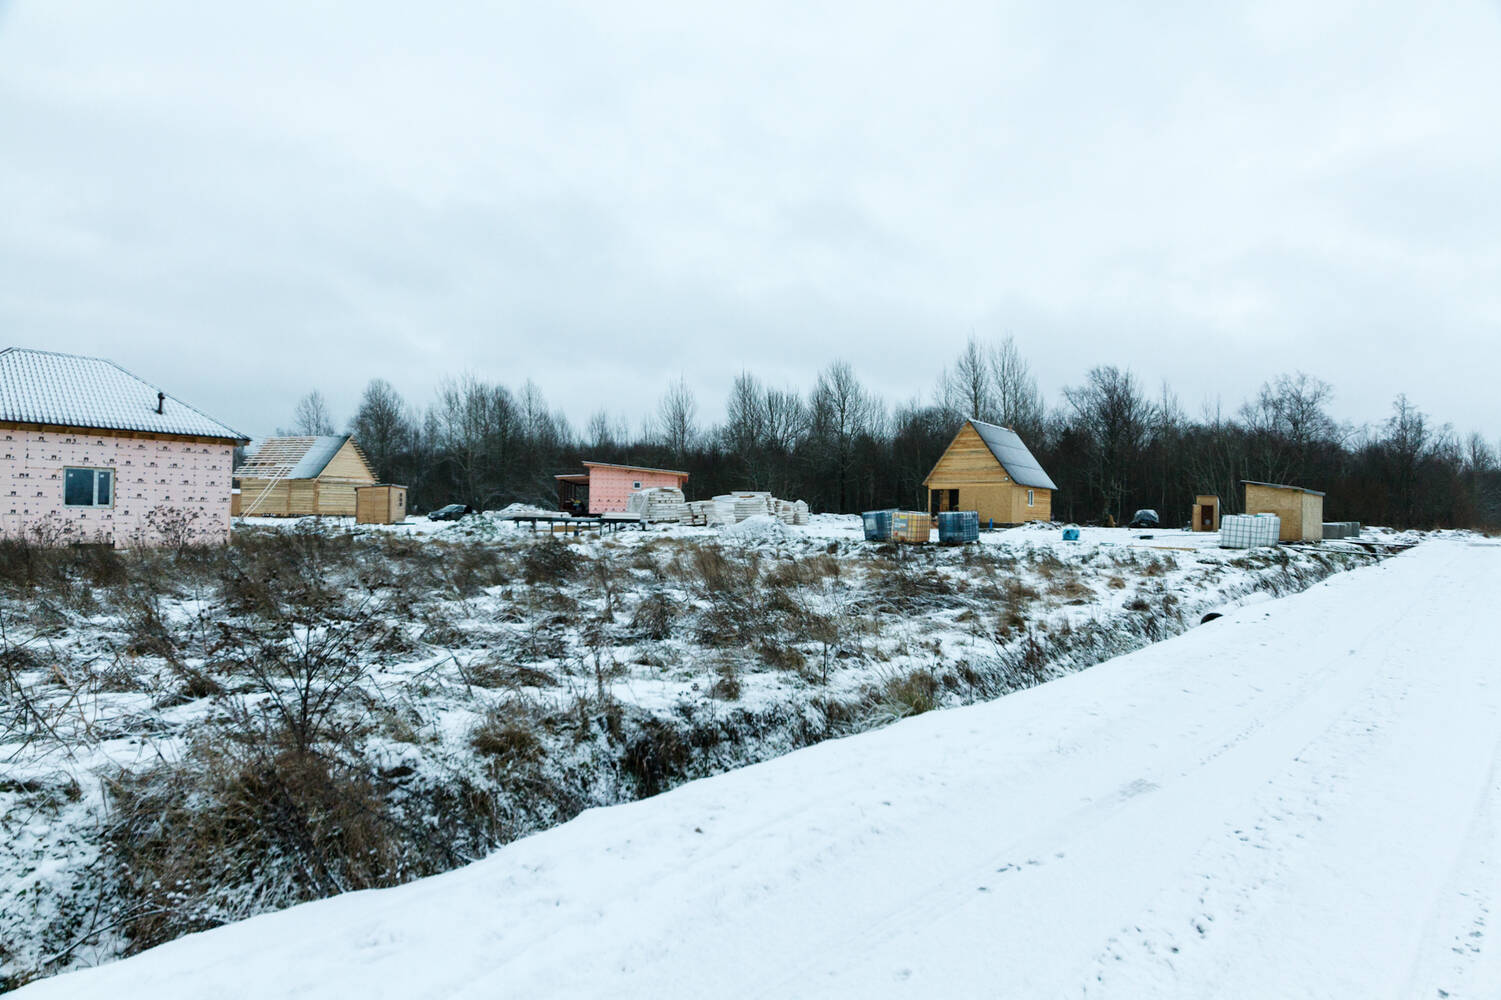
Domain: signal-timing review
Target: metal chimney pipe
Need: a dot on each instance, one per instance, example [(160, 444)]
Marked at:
[(161, 398)]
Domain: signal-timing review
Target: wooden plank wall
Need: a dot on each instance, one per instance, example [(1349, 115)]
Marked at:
[(1302, 513), (348, 466), (966, 460)]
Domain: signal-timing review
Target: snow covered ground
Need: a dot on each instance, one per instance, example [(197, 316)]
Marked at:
[(1299, 799)]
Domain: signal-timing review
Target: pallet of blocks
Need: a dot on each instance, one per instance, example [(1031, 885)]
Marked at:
[(658, 504), (698, 513)]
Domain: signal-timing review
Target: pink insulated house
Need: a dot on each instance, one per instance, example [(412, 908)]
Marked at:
[(90, 453), (605, 487)]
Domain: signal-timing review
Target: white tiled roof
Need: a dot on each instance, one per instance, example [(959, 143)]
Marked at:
[(43, 387)]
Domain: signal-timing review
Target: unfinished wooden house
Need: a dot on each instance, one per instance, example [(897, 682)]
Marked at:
[(89, 453), (988, 469), (606, 488), (302, 476), (1301, 510)]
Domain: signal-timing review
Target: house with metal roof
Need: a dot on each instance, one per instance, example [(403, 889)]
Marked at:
[(303, 476), (90, 453), (989, 469)]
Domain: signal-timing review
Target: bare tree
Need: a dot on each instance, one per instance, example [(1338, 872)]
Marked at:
[(1288, 422), (840, 413), (311, 417), (677, 426), (382, 427), (968, 389), (1018, 404), (744, 430), (1111, 415)]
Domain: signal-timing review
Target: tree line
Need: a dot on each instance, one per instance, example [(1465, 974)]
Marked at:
[(1110, 444)]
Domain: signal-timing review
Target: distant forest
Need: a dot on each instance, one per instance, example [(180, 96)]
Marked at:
[(1111, 444)]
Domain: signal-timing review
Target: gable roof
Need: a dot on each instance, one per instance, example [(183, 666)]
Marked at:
[(294, 457), (1279, 486), (1015, 457), (45, 387)]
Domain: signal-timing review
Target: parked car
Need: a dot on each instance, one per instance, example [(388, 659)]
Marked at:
[(452, 512), (1144, 518)]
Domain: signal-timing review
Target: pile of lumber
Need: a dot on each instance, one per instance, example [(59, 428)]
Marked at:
[(658, 504)]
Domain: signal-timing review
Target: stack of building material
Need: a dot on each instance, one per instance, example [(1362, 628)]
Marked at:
[(800, 512), (1249, 531), (956, 527), (786, 512), (698, 513), (660, 504), (754, 504), (1335, 529), (912, 526)]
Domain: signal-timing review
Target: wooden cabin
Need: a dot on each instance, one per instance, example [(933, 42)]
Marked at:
[(989, 470), (380, 504), (303, 476), (1206, 515), (605, 488), (1301, 510)]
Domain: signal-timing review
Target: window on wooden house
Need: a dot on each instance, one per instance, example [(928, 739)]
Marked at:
[(88, 487), (1031, 498)]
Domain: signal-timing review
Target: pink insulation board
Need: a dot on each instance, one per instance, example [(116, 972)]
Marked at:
[(165, 490), (610, 487)]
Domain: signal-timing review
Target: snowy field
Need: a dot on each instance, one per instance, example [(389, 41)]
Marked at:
[(483, 683), (1300, 799)]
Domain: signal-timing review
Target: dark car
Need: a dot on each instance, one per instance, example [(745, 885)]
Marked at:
[(1144, 519), (452, 512)]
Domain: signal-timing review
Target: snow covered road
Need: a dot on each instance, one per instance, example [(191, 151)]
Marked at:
[(1302, 798)]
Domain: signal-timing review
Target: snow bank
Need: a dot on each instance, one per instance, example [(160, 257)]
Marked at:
[(758, 528), (1285, 802)]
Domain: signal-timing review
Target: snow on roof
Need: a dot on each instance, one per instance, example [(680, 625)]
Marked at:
[(1280, 486), (44, 387), (1007, 447), (292, 457)]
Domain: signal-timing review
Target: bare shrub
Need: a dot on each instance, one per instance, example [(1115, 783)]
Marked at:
[(781, 656), (726, 685), (244, 822), (654, 616), (549, 562), (656, 756), (909, 694), (507, 735)]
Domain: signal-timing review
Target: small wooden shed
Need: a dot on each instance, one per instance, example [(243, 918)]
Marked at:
[(301, 476), (989, 470), (1206, 515), (382, 503), (1301, 510)]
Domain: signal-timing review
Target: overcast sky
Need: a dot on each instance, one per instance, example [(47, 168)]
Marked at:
[(241, 202)]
